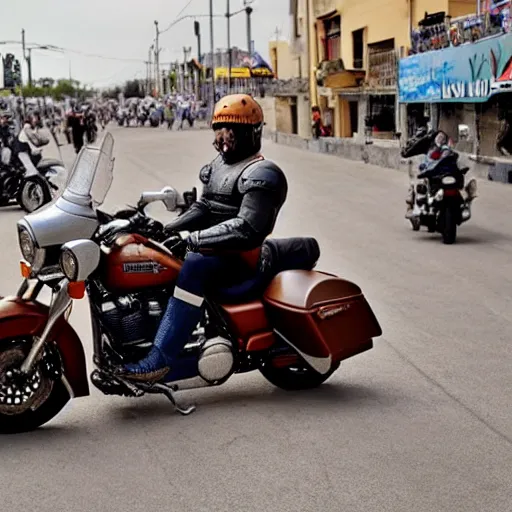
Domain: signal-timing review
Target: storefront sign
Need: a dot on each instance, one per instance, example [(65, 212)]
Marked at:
[(235, 73), (462, 74)]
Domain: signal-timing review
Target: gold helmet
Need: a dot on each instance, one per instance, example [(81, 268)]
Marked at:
[(237, 109)]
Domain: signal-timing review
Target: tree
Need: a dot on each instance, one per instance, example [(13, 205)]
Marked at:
[(133, 89), (112, 93)]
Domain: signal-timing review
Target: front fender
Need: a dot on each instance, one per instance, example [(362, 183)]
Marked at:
[(20, 318)]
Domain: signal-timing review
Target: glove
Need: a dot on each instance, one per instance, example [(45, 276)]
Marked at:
[(193, 241)]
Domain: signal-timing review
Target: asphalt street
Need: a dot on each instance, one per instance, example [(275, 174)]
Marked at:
[(423, 422)]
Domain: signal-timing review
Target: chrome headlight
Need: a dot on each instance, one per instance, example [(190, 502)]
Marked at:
[(69, 265), (27, 245), (79, 259), (32, 254)]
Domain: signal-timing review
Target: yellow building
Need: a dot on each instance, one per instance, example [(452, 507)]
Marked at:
[(286, 108), (353, 47)]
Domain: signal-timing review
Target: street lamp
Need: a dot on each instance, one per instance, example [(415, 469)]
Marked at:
[(248, 10), (157, 60)]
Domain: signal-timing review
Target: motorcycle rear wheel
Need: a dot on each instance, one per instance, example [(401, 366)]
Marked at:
[(48, 398), (296, 378), (449, 231)]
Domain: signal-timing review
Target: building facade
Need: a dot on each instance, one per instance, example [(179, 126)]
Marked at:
[(353, 50), (458, 76)]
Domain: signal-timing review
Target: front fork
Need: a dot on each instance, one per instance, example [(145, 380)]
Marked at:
[(61, 304)]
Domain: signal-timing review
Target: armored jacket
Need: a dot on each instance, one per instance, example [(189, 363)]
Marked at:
[(239, 205)]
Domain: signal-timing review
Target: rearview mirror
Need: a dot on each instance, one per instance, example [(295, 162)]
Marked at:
[(168, 195)]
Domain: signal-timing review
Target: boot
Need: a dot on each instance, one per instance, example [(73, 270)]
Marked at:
[(175, 328)]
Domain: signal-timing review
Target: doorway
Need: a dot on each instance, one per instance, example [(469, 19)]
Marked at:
[(354, 116)]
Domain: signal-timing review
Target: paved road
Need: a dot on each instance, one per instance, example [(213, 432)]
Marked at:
[(421, 423)]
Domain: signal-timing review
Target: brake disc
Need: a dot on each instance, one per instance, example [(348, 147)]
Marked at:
[(18, 393)]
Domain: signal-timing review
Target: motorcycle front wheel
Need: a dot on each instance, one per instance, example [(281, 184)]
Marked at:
[(33, 194), (26, 404), (295, 378)]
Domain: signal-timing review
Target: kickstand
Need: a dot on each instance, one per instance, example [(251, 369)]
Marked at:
[(185, 411)]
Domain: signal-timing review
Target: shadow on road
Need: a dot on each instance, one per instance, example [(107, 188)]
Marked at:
[(228, 401)]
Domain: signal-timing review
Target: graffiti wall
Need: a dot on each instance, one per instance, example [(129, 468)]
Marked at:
[(461, 74)]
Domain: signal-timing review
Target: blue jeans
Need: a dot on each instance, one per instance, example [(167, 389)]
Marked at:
[(200, 275)]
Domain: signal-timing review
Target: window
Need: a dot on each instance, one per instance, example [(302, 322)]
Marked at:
[(357, 48), (332, 42)]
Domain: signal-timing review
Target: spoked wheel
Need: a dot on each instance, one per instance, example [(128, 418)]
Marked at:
[(27, 402), (33, 194), (295, 377)]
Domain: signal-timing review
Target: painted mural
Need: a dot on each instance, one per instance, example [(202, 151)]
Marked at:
[(462, 74)]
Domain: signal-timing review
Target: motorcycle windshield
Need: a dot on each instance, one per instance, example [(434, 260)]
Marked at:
[(92, 173)]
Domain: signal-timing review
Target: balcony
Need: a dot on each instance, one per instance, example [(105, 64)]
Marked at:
[(382, 69), (437, 31)]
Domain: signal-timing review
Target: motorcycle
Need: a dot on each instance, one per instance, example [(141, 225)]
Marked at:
[(29, 179), (91, 128), (122, 116), (296, 332), (439, 204)]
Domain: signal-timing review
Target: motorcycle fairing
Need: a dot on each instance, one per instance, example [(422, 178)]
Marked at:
[(21, 318)]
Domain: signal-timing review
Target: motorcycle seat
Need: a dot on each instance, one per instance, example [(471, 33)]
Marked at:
[(274, 256), (49, 162)]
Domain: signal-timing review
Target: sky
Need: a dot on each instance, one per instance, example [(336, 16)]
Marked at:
[(125, 29)]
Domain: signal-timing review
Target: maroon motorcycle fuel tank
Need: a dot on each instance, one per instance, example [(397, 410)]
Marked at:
[(136, 263)]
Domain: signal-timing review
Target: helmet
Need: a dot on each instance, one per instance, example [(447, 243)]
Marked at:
[(237, 109), (238, 123)]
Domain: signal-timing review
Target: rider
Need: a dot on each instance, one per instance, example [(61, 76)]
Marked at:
[(76, 123), (30, 139), (242, 196)]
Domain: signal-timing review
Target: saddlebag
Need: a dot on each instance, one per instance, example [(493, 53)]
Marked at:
[(320, 314)]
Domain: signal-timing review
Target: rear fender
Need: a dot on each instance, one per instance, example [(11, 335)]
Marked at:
[(21, 318)]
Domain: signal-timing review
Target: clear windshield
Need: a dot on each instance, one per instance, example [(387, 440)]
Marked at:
[(92, 173)]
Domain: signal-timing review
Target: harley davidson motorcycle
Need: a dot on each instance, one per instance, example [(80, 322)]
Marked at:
[(29, 179), (296, 333), (439, 204)]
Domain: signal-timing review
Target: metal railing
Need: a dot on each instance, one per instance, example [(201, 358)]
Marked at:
[(382, 68)]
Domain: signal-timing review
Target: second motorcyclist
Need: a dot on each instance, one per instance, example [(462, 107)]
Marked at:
[(441, 147), (242, 196)]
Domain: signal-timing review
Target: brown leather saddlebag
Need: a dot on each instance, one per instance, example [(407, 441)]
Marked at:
[(320, 314)]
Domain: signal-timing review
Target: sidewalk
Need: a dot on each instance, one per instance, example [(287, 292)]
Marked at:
[(383, 153)]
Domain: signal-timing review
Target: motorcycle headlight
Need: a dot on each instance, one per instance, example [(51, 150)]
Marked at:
[(27, 245), (69, 265)]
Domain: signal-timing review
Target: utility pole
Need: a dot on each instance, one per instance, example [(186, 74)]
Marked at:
[(150, 63), (186, 52), (197, 32), (212, 50), (27, 57), (228, 16), (157, 60), (198, 74), (248, 11)]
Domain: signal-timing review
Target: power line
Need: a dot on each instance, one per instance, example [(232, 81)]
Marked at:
[(51, 47), (187, 5)]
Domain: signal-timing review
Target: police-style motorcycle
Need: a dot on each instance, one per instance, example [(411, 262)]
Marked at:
[(441, 200)]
